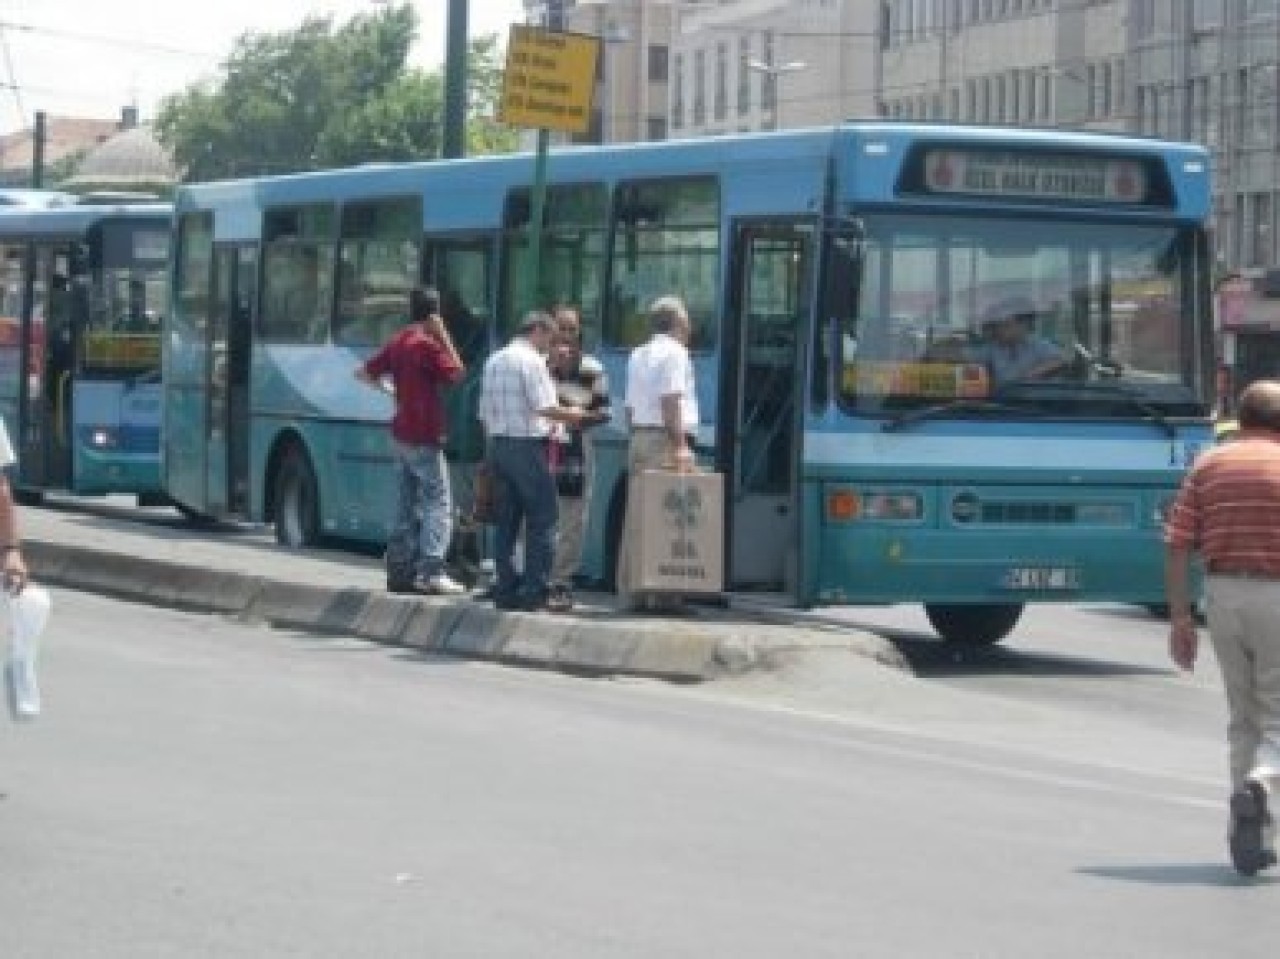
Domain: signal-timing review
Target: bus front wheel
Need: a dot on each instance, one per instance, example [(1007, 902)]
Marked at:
[(973, 625), (297, 501)]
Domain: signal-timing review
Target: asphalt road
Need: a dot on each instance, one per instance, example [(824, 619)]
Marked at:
[(202, 788)]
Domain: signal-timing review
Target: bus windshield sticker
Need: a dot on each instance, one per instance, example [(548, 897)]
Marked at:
[(933, 380)]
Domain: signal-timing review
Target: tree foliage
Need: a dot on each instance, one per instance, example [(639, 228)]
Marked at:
[(323, 96)]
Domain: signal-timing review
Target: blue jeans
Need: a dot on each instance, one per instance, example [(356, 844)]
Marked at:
[(528, 497), (424, 509)]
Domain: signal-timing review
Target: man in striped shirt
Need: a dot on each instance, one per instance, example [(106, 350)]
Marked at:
[(1228, 510), (517, 406)]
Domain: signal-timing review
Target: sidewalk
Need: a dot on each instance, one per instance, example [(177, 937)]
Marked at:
[(154, 556)]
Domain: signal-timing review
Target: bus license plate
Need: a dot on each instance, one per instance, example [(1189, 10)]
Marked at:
[(1045, 578)]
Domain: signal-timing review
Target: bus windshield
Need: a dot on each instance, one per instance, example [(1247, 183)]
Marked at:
[(127, 302), (1021, 316)]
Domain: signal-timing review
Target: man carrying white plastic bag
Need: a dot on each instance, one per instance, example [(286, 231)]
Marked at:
[(26, 607)]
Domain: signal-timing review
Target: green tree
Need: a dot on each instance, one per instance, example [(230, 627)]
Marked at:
[(324, 96)]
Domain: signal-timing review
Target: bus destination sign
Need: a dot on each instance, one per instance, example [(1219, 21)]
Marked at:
[(1058, 176)]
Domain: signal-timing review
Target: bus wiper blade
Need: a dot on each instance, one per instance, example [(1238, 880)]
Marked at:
[(903, 420), (1149, 413)]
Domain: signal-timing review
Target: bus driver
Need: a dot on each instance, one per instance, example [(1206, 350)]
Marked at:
[(1011, 351)]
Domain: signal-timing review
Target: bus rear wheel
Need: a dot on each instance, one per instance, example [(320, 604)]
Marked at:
[(297, 499), (973, 625)]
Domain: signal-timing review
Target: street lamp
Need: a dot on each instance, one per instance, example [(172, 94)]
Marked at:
[(613, 35), (771, 72)]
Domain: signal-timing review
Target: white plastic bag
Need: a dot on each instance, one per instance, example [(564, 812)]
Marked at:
[(28, 614)]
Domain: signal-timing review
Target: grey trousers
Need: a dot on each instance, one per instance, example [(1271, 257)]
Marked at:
[(1244, 627)]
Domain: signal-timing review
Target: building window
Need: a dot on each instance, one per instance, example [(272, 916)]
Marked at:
[(699, 87), (1260, 232), (658, 56), (655, 128), (744, 74), (677, 92), (721, 104)]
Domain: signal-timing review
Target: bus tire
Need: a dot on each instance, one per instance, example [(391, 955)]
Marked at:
[(973, 625), (297, 501)]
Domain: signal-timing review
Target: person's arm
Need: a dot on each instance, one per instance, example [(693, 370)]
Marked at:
[(599, 407), (1183, 639), (372, 370), (540, 391), (1050, 359), (15, 565), (673, 425), (452, 367)]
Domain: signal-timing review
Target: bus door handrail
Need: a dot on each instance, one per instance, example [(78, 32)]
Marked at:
[(60, 407)]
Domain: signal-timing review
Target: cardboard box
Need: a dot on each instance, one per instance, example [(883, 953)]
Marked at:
[(681, 531)]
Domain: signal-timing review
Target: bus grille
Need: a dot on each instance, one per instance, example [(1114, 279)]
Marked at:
[(1051, 513)]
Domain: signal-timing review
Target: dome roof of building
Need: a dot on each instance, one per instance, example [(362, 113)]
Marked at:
[(132, 158)]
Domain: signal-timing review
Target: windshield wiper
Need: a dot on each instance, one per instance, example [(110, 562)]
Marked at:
[(1149, 413), (903, 420)]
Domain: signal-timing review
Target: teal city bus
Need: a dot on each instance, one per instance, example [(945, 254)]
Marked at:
[(838, 281), (83, 287)]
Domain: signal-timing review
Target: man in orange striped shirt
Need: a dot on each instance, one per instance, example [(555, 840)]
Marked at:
[(1228, 510)]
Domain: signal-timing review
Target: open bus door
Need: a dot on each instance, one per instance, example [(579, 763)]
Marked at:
[(49, 347), (758, 441), (235, 277)]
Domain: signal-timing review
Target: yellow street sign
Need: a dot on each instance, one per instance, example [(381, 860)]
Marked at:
[(549, 80)]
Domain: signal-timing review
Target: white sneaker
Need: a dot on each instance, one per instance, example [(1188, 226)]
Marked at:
[(441, 584)]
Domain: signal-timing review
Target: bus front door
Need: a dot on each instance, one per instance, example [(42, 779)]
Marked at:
[(230, 344), (758, 439), (44, 455)]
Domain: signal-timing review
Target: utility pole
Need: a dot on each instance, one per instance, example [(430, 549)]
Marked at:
[(38, 137), (454, 141)]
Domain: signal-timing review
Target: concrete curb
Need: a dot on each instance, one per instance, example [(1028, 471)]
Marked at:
[(679, 650)]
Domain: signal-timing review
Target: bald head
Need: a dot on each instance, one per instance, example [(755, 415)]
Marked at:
[(1260, 406)]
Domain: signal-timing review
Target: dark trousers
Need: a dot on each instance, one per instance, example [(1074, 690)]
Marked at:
[(528, 497)]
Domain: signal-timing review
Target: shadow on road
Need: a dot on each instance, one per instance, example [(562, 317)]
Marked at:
[(931, 658), (1178, 874)]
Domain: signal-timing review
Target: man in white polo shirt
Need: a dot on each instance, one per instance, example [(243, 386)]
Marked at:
[(662, 412)]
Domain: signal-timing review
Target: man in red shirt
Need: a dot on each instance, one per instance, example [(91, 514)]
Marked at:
[(1228, 510), (413, 365)]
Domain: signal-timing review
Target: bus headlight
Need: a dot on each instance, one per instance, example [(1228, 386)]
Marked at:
[(845, 505), (893, 506), (103, 438)]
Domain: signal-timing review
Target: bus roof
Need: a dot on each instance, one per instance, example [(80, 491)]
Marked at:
[(792, 160), (26, 197), (74, 220)]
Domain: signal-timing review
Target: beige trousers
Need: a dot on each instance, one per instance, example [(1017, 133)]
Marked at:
[(572, 525), (1244, 626), (648, 450)]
